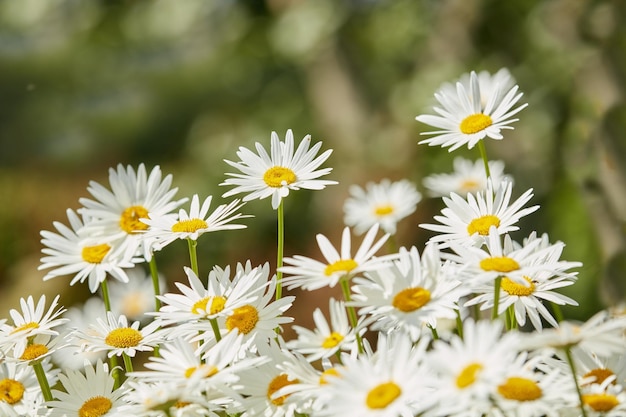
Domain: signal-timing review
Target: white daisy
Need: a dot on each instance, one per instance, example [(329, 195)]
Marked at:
[(409, 293), (605, 399), (134, 196), (72, 252), (91, 394), (117, 337), (135, 298), (468, 220), (385, 203), (166, 229), (326, 340), (311, 274), (277, 173), (19, 388), (467, 177), (498, 83), (156, 399), (463, 119)]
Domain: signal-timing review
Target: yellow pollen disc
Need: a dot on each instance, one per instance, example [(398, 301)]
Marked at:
[(277, 383), (474, 123), (342, 265), (182, 404), (95, 407), (124, 337), (600, 402), (11, 391), (189, 226), (333, 340), (383, 210), (243, 318), (329, 371), (469, 185), (207, 371), (411, 299), (133, 304), (217, 305), (520, 389), (482, 224), (95, 254), (600, 374), (468, 375), (277, 177), (499, 264), (382, 395), (129, 220), (27, 326), (33, 352), (513, 288)]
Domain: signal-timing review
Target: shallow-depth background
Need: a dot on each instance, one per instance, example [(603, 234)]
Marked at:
[(88, 84)]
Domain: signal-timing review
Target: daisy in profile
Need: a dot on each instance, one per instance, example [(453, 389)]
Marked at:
[(191, 225), (385, 203), (467, 220), (467, 177), (91, 394), (327, 339), (410, 293), (280, 171), (463, 119), (72, 251), (134, 196), (311, 274)]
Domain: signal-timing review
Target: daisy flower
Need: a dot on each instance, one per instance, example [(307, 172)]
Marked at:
[(117, 337), (464, 119), (489, 84), (135, 298), (72, 252), (166, 229), (91, 394), (156, 399), (467, 220), (311, 274), (410, 293), (467, 177), (605, 399), (19, 388), (385, 203), (280, 171), (134, 196), (327, 339)]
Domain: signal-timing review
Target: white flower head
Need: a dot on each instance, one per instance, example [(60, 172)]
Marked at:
[(467, 177), (278, 172)]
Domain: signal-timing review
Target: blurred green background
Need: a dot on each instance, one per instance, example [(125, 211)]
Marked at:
[(88, 84)]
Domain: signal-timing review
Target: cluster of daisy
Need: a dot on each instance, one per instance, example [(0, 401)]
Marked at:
[(468, 326)]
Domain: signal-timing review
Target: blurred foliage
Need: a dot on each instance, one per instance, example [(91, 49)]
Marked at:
[(87, 84)]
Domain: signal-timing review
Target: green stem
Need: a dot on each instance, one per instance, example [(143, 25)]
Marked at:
[(496, 298), (392, 245), (483, 155), (128, 363), (154, 273), (434, 332), (105, 295), (43, 381), (216, 329), (193, 255), (459, 324), (511, 321), (570, 361), (279, 252), (558, 314), (345, 288)]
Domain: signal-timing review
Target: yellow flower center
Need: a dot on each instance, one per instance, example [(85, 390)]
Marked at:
[(333, 340), (130, 219), (469, 185), (217, 305), (482, 224), (243, 318), (499, 264), (468, 375), (329, 371), (600, 402), (514, 288), (11, 391), (383, 210), (474, 123), (411, 299), (27, 326), (95, 407), (600, 374), (342, 265), (207, 371), (124, 337), (382, 395), (520, 389), (277, 383), (189, 226), (95, 254), (277, 177), (33, 352), (182, 404)]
